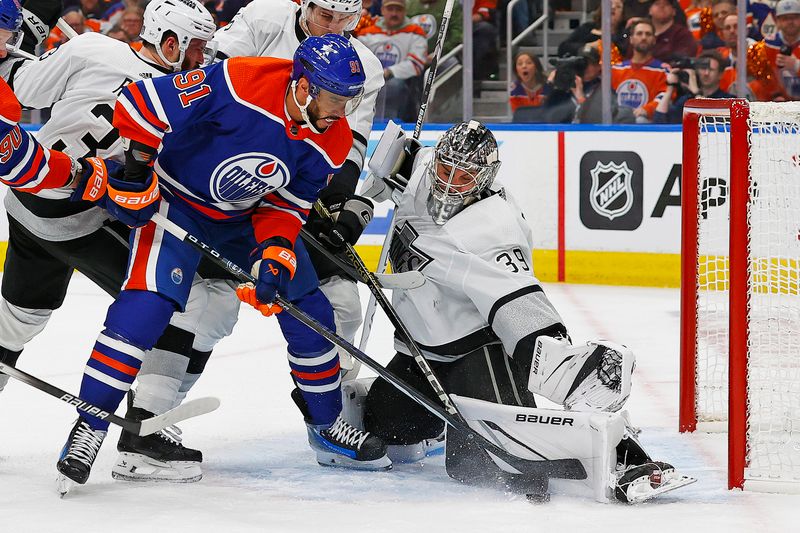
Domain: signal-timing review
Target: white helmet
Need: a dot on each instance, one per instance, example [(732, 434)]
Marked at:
[(188, 19), (352, 7)]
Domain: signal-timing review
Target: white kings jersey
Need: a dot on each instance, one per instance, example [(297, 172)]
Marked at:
[(81, 80), (272, 28), (480, 288)]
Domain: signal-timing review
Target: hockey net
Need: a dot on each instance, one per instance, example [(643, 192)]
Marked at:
[(740, 298)]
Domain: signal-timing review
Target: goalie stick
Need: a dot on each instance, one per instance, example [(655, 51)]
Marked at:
[(189, 409), (539, 469), (400, 281), (369, 314)]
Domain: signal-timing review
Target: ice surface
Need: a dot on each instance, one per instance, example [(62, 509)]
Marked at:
[(261, 476)]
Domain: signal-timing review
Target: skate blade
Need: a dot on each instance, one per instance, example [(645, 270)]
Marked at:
[(64, 485), (339, 461), (670, 485), (138, 467)]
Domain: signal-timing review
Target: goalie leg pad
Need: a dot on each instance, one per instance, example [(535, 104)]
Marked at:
[(540, 434), (595, 376)]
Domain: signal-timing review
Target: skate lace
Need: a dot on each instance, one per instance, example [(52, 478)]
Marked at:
[(347, 434), (171, 434), (85, 444)]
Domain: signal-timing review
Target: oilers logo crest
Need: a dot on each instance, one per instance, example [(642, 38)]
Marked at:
[(389, 54), (632, 93), (427, 23), (248, 176)]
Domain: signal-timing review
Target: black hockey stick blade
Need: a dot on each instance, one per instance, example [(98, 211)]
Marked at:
[(147, 426), (566, 468), (402, 280)]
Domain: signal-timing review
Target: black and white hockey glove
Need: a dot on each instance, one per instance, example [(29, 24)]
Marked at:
[(349, 215)]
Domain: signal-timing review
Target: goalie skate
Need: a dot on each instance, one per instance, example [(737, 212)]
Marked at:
[(637, 484)]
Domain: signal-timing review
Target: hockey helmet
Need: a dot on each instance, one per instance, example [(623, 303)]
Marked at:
[(351, 8), (188, 19), (11, 20), (464, 165), (331, 63)]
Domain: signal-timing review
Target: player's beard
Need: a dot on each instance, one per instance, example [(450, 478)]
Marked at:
[(315, 118)]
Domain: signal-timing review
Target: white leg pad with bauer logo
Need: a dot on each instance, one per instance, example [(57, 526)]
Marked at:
[(539, 434), (595, 376)]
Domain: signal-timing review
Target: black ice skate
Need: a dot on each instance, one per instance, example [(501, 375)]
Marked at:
[(75, 462), (349, 447), (156, 457)]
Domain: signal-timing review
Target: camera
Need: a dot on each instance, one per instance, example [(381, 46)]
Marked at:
[(786, 50), (566, 70), (684, 63)]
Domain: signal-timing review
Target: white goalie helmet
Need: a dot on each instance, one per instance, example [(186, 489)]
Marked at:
[(352, 8), (464, 165), (188, 19)]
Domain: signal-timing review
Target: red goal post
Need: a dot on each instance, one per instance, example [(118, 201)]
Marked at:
[(740, 285)]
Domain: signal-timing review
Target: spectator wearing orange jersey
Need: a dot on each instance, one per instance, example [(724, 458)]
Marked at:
[(759, 86), (672, 38), (402, 48), (528, 83), (695, 20), (784, 50), (640, 81)]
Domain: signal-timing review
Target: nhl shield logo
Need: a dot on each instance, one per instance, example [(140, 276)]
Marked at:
[(611, 190), (612, 193)]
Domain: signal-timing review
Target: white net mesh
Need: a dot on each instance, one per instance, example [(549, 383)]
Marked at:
[(712, 284), (773, 369)]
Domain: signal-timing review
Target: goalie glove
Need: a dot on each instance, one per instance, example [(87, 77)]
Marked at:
[(349, 215), (390, 165)]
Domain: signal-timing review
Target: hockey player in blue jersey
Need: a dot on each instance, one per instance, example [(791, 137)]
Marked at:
[(235, 153)]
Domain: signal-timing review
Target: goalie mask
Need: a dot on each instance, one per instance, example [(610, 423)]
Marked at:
[(464, 165), (342, 13)]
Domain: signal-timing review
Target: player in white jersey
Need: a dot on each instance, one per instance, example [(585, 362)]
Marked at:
[(275, 28), (50, 235), (482, 319)]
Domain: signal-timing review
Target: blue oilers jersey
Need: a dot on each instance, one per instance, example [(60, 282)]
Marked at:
[(228, 148)]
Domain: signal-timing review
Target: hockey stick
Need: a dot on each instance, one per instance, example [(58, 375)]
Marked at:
[(369, 314), (14, 51), (66, 29), (399, 281), (189, 409), (558, 468)]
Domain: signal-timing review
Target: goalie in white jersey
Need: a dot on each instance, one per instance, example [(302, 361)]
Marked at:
[(275, 28), (485, 324)]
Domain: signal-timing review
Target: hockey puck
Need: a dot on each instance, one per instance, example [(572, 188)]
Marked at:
[(543, 497)]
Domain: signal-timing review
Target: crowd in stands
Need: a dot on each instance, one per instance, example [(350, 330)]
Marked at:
[(663, 53)]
